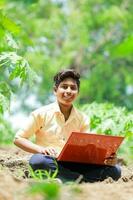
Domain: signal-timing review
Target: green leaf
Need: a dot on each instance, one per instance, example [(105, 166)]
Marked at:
[(9, 25), (125, 48), (49, 189), (4, 104), (95, 121), (18, 68), (2, 4), (2, 33), (113, 13), (11, 42), (5, 89)]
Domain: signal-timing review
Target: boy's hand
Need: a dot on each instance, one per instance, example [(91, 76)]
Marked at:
[(112, 160), (48, 151)]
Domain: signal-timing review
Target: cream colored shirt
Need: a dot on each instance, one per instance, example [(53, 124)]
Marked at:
[(50, 128)]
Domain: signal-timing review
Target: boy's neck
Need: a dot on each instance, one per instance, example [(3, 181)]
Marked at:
[(66, 110)]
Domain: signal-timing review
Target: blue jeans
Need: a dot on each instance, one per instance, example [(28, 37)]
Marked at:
[(70, 171)]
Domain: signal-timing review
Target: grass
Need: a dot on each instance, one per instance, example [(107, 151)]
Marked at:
[(45, 184)]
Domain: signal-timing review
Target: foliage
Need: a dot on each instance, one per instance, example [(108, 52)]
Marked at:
[(43, 174), (6, 131), (49, 190), (12, 65), (111, 120), (95, 37), (14, 70), (17, 67)]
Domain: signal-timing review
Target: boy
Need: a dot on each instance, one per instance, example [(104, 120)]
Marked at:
[(52, 125)]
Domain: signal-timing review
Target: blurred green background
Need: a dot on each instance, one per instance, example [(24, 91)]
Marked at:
[(38, 38)]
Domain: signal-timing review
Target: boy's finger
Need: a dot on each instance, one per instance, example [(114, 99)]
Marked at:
[(113, 156)]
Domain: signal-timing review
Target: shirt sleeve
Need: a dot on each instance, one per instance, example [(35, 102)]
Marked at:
[(32, 125), (85, 125)]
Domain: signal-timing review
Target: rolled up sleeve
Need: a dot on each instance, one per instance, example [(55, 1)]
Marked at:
[(31, 126)]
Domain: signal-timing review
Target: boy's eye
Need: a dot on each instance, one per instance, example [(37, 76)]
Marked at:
[(71, 87), (64, 86)]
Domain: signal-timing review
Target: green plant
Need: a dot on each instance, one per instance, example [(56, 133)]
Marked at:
[(41, 174), (48, 187), (49, 190), (6, 131), (14, 68), (111, 120)]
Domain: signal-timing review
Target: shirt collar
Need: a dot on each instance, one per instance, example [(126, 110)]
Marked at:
[(74, 112), (56, 107)]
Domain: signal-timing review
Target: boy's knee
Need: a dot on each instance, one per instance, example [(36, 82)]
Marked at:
[(40, 161), (114, 172)]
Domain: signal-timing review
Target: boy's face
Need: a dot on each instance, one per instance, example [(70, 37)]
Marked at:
[(66, 92)]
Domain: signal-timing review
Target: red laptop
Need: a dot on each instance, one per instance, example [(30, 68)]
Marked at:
[(89, 148)]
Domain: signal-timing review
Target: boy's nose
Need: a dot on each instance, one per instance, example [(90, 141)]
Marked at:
[(68, 90)]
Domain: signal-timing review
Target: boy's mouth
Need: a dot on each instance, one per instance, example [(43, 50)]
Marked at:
[(67, 97)]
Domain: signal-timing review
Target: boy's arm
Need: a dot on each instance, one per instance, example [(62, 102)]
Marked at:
[(34, 122), (27, 145), (30, 147)]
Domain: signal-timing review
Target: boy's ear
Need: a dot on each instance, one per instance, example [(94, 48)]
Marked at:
[(55, 89)]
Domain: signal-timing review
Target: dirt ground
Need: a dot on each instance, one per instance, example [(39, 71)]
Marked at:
[(14, 182)]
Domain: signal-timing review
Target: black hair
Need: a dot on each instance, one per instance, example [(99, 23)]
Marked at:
[(67, 73)]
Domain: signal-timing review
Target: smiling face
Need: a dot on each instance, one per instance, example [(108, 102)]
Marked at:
[(66, 92)]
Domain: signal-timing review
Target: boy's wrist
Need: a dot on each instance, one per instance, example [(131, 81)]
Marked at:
[(40, 149)]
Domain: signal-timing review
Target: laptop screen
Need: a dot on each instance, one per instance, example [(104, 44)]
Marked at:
[(89, 148)]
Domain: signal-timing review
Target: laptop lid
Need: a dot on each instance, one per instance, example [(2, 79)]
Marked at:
[(89, 148)]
